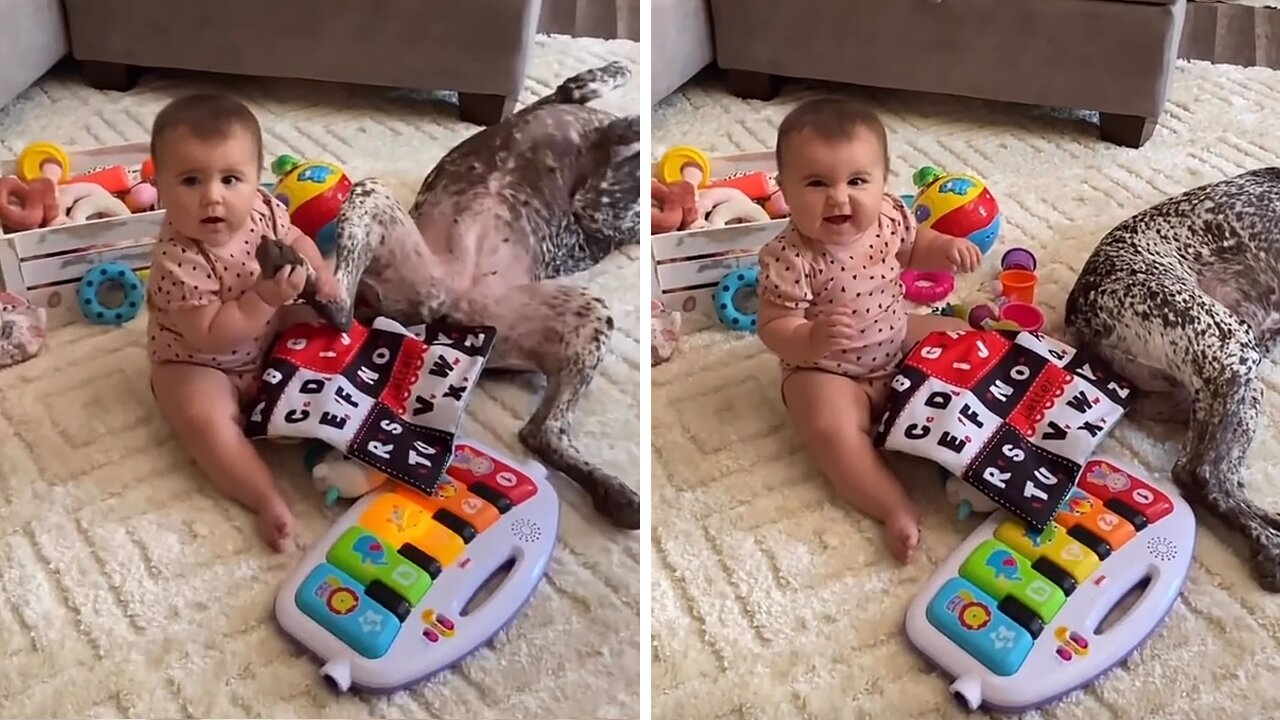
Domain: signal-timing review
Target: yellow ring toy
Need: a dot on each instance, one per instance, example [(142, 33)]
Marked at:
[(673, 161), (34, 156)]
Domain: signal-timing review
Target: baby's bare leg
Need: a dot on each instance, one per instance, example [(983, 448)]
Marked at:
[(832, 413), (202, 406)]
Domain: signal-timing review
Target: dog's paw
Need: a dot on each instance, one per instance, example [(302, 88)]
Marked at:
[(1266, 568), (620, 504)]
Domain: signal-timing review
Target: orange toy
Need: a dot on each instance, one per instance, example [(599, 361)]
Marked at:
[(27, 205), (114, 179), (673, 206), (755, 185)]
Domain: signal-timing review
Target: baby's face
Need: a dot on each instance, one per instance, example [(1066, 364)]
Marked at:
[(207, 187), (834, 187)]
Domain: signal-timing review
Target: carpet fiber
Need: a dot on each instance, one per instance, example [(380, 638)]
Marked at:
[(769, 600), (132, 590)]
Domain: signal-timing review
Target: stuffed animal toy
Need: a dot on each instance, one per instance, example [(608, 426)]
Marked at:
[(674, 206), (27, 205)]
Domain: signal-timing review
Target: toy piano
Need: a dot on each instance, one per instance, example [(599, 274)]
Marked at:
[(400, 587), (1019, 619)]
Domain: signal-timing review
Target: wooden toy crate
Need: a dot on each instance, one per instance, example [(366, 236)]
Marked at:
[(688, 264), (45, 265)]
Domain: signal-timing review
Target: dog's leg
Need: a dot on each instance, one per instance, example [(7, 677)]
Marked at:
[(563, 331), (607, 206), (1209, 350)]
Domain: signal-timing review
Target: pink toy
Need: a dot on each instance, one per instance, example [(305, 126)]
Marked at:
[(927, 288), (1024, 315), (777, 206), (142, 197)]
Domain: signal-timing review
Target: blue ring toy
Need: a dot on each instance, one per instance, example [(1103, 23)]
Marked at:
[(109, 273), (729, 314)]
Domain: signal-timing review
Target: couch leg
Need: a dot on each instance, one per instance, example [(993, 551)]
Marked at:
[(1128, 130), (752, 85), (109, 75), (484, 109)]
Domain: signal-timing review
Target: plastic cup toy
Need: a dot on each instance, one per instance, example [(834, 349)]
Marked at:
[(1018, 259), (1026, 316), (1018, 285)]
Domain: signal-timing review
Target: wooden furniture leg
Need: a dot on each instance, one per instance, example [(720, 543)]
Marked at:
[(1127, 130), (110, 75), (752, 85), (484, 109)]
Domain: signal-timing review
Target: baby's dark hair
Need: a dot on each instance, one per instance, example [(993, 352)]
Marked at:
[(207, 116), (831, 118)]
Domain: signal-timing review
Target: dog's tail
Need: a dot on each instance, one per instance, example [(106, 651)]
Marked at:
[(587, 85)]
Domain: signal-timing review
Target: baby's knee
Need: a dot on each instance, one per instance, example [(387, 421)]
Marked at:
[(831, 425)]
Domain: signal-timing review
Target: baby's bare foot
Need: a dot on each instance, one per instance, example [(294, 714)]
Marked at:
[(902, 535), (275, 525)]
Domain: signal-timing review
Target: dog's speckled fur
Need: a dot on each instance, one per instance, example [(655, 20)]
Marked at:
[(550, 191), (1184, 299)]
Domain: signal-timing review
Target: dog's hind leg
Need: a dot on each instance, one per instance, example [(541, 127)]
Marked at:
[(563, 331), (607, 205), (586, 86), (1210, 351)]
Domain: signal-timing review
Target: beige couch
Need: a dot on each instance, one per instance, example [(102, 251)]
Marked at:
[(1112, 56), (33, 37), (682, 44), (478, 48)]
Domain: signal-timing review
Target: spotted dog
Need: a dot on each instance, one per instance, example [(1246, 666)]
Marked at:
[(550, 191), (1183, 298)]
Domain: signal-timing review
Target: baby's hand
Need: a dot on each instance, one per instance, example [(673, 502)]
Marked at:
[(963, 255), (282, 288), (831, 333)]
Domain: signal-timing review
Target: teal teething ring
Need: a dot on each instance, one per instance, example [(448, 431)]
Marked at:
[(728, 313), (104, 274)]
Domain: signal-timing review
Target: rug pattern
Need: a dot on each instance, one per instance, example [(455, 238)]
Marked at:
[(131, 590), (769, 600)]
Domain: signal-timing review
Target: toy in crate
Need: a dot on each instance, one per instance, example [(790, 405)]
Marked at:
[(406, 584), (46, 191), (685, 196), (1019, 618)]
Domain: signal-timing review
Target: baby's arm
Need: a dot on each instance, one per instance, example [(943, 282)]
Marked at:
[(931, 250), (784, 293), (184, 288), (221, 326), (785, 332), (927, 249)]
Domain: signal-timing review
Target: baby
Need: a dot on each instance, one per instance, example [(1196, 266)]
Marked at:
[(831, 304), (212, 317)]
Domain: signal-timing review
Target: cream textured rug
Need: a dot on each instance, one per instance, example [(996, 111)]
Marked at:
[(132, 590), (770, 601)]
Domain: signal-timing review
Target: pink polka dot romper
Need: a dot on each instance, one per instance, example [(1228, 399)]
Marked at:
[(187, 274), (861, 277)]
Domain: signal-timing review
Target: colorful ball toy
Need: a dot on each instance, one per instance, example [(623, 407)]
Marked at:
[(957, 205), (313, 192)]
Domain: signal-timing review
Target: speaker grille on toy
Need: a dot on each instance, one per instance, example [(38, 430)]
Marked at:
[(1162, 548), (526, 530)]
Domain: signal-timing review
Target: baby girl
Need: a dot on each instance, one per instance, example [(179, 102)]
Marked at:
[(212, 317), (831, 304)]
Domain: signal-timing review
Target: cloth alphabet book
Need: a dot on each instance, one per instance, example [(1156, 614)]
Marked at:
[(1015, 414), (385, 396)]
